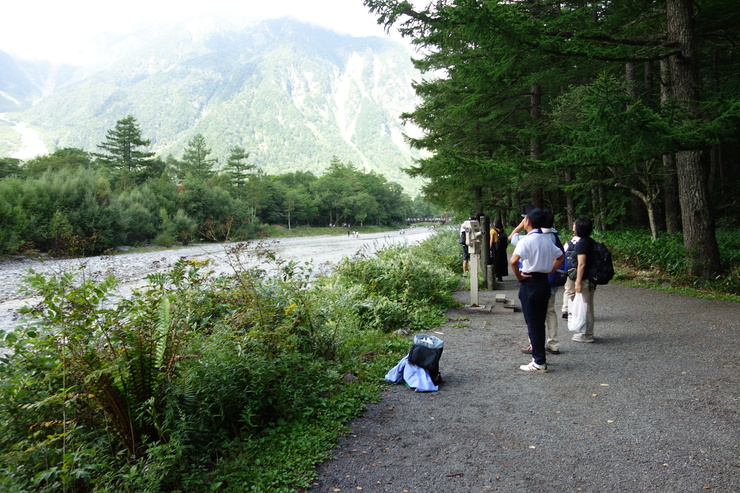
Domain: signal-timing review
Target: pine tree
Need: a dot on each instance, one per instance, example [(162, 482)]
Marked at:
[(122, 146), (237, 168), (195, 158)]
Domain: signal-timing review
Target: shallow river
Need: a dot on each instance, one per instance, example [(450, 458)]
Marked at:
[(132, 268)]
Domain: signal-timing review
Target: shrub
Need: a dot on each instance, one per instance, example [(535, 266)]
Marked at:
[(197, 382), (665, 258), (398, 288)]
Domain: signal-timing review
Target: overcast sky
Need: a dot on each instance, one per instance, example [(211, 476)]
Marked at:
[(65, 30)]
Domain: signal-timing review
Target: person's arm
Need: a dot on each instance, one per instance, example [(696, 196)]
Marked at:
[(557, 263), (516, 230), (581, 272), (514, 262)]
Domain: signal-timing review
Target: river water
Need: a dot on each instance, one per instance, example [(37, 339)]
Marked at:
[(131, 269)]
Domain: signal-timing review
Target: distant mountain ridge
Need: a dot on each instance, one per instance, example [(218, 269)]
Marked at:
[(291, 94)]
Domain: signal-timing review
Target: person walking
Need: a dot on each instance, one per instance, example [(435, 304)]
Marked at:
[(583, 284), (539, 257)]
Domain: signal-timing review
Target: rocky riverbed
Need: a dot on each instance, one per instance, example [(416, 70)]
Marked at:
[(131, 269)]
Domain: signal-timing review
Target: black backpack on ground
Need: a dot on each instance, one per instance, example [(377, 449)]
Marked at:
[(425, 353)]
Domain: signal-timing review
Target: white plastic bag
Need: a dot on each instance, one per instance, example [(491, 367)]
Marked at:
[(577, 313)]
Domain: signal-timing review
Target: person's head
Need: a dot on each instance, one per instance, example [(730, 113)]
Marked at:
[(583, 227), (549, 220), (498, 224), (536, 218)]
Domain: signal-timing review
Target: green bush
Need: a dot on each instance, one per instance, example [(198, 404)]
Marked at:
[(400, 287), (197, 382), (664, 258)]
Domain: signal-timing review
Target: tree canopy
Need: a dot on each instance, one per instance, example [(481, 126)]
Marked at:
[(124, 148), (578, 107)]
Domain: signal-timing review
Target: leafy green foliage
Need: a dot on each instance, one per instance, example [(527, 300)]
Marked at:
[(199, 382), (73, 208), (578, 107), (639, 257), (401, 287)]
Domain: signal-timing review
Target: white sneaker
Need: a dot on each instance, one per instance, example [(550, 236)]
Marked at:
[(582, 338), (534, 368)]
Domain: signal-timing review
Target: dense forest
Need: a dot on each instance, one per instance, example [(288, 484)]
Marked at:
[(85, 203), (623, 111)]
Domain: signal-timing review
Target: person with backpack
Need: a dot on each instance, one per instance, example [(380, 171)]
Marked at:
[(498, 246), (583, 283), (539, 258)]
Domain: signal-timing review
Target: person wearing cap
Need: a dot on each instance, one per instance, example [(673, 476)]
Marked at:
[(539, 258), (465, 251)]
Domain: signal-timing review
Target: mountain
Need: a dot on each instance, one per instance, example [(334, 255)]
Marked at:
[(291, 94), (22, 82)]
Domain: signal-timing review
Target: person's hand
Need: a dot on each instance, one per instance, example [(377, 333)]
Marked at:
[(578, 287)]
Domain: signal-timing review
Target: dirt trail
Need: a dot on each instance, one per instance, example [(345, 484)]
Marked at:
[(651, 406)]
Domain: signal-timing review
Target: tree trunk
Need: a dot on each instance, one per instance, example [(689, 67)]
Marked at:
[(700, 242), (649, 206), (570, 205), (670, 182), (535, 149)]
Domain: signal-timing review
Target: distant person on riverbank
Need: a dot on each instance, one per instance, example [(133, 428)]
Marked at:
[(583, 284), (539, 257)]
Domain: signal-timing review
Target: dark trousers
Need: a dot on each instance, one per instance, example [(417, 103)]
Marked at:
[(534, 293)]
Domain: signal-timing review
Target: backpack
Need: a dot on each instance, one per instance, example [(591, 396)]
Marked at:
[(502, 242), (571, 261), (558, 277), (425, 353), (601, 270)]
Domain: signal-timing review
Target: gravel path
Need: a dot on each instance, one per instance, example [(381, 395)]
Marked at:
[(651, 406)]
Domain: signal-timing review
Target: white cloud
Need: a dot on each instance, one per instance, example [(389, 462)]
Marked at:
[(66, 30)]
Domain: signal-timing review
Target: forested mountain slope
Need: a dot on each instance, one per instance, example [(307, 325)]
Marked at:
[(291, 94)]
